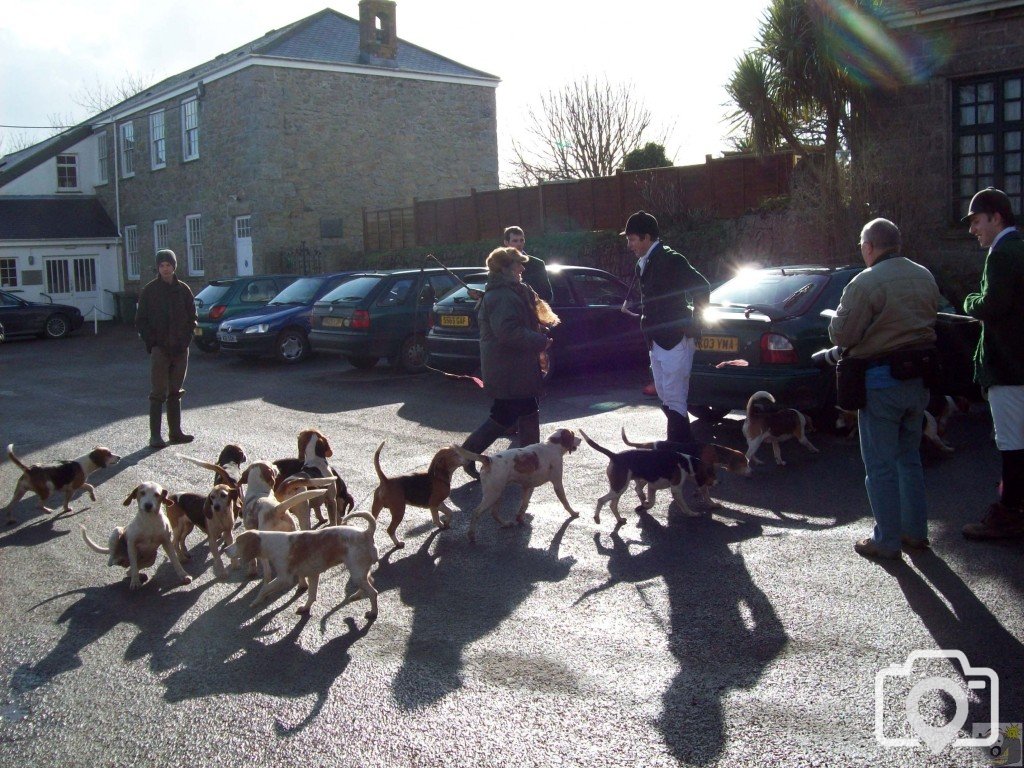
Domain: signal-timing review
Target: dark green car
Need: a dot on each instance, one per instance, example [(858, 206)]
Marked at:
[(762, 327), (223, 299)]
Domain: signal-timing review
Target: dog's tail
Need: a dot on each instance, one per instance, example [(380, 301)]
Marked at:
[(759, 395), (633, 445), (222, 473), (15, 459), (371, 521), (297, 499), (485, 461), (92, 544), (597, 447), (376, 462)]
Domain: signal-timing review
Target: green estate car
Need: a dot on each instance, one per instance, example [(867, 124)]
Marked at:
[(232, 296), (762, 326)]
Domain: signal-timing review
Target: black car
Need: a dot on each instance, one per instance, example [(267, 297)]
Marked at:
[(382, 314), (21, 317), (762, 327), (593, 330), (223, 299)]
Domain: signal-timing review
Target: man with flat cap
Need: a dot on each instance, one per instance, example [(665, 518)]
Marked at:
[(668, 322), (999, 358), (165, 319)]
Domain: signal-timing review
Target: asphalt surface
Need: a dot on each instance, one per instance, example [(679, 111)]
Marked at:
[(747, 637)]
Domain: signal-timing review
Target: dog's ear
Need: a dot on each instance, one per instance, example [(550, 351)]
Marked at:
[(163, 498), (323, 447), (207, 508), (245, 476), (132, 496)]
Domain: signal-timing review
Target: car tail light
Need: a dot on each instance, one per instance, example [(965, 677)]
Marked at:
[(217, 311), (776, 348), (360, 319)]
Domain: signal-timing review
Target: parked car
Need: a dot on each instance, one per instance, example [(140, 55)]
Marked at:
[(21, 317), (224, 299), (770, 319), (593, 330), (382, 314), (281, 327)]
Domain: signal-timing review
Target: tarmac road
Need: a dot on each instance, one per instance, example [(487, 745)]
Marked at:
[(748, 637)]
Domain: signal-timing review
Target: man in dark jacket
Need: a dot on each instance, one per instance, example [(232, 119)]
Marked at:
[(535, 274), (999, 359), (165, 320), (668, 322)]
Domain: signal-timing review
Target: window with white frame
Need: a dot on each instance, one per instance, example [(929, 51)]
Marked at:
[(190, 129), (159, 235), (8, 273), (157, 141), (194, 243), (127, 149), (131, 252), (67, 173), (102, 157)]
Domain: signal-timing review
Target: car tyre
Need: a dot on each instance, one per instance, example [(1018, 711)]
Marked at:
[(362, 362), (207, 346), (57, 326), (292, 346), (412, 356), (708, 412)]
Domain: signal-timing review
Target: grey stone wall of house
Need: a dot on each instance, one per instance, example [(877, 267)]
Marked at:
[(303, 152), (908, 154)]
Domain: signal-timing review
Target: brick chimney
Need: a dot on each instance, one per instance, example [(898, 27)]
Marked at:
[(378, 38)]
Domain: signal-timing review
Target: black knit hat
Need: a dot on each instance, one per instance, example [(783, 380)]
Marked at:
[(166, 255), (641, 223)]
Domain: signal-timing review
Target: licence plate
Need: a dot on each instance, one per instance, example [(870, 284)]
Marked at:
[(197, 331), (455, 321), (333, 322), (719, 343), (227, 338)]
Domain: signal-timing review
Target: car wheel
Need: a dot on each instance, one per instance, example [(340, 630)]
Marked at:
[(362, 362), (412, 356), (292, 345), (207, 346), (57, 326), (707, 412)]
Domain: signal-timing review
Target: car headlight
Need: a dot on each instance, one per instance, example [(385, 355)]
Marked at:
[(259, 328)]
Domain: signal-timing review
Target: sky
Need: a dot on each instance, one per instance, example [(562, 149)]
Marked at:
[(676, 55)]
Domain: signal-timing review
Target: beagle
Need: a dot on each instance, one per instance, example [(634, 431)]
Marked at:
[(427, 490), (774, 426), (134, 547), (299, 557), (231, 459), (213, 514), (314, 451), (711, 456), (67, 477), (530, 467), (653, 468)]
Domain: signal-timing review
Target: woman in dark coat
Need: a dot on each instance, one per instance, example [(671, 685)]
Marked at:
[(512, 322)]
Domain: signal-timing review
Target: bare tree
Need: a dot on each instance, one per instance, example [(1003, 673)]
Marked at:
[(102, 96), (584, 130)]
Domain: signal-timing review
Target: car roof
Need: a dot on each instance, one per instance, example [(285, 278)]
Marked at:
[(809, 268)]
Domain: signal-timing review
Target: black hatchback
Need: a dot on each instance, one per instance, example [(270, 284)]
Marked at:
[(593, 331)]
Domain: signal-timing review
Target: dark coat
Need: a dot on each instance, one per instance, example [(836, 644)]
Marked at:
[(166, 315), (509, 347), (665, 314), (999, 358), (535, 275)]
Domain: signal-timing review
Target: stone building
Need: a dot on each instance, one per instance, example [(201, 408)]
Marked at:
[(957, 126), (284, 141)]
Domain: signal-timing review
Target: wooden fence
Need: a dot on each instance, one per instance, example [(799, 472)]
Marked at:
[(724, 187)]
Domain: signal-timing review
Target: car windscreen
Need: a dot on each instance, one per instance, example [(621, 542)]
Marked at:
[(462, 297), (212, 293), (301, 291), (792, 292), (351, 291)]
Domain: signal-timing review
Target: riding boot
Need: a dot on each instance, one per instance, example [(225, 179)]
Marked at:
[(156, 416), (175, 435), (678, 430), (480, 441), (528, 428)]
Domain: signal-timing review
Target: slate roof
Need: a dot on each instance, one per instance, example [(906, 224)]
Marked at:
[(54, 218), (15, 164)]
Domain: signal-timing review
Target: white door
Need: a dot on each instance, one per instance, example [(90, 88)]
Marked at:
[(72, 280), (243, 244)]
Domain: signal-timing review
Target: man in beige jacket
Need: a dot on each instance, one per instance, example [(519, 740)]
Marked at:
[(889, 308)]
